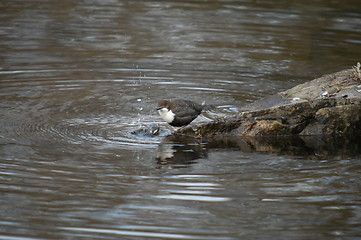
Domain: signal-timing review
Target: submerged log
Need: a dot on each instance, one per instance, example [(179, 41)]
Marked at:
[(327, 105)]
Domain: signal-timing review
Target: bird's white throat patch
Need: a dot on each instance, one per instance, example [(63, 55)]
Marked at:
[(166, 114)]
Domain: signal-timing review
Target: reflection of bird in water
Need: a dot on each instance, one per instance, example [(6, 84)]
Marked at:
[(180, 112), (179, 154)]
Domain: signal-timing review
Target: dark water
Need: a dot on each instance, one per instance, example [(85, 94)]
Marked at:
[(79, 79)]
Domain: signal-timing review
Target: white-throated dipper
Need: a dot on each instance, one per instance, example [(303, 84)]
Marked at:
[(180, 112)]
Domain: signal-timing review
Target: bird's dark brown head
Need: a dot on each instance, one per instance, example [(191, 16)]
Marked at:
[(164, 104)]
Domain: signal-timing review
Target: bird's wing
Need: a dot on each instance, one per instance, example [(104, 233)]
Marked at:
[(181, 112)]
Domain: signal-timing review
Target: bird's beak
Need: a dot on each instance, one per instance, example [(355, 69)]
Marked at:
[(159, 108)]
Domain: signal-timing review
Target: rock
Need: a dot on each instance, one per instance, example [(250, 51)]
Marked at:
[(327, 105), (335, 120)]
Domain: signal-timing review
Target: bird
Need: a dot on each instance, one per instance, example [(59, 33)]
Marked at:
[(179, 112)]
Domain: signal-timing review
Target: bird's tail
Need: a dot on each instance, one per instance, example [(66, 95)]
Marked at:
[(207, 107)]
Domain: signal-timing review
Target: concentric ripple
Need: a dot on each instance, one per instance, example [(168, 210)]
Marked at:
[(107, 131)]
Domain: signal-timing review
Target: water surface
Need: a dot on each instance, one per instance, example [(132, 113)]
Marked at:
[(79, 79)]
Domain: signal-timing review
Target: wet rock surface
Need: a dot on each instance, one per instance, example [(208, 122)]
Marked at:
[(328, 105)]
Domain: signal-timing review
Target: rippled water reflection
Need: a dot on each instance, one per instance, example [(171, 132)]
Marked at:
[(83, 153)]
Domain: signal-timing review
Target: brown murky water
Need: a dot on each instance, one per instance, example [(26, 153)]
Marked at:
[(79, 79)]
